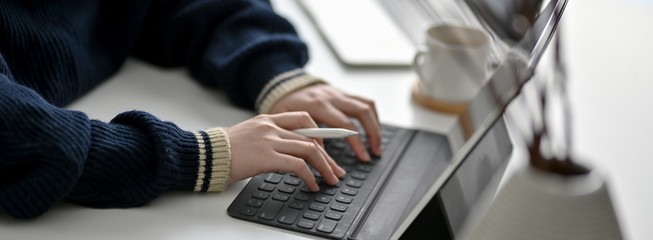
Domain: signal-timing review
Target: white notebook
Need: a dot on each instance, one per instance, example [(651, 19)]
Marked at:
[(360, 32)]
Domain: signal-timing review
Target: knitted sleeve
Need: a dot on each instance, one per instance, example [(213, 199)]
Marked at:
[(240, 46), (48, 154)]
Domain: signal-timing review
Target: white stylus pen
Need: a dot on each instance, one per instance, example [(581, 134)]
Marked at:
[(325, 132)]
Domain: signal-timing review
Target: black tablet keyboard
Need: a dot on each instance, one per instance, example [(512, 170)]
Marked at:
[(283, 200)]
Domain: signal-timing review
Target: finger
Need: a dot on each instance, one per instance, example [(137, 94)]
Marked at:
[(295, 120), (366, 115), (336, 168), (298, 167), (290, 135), (310, 152), (336, 118), (369, 102)]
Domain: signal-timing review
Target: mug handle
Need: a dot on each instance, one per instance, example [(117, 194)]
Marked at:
[(417, 62)]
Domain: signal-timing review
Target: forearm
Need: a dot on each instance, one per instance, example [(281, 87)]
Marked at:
[(136, 158), (48, 154)]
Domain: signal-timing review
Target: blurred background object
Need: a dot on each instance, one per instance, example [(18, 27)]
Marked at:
[(553, 196)]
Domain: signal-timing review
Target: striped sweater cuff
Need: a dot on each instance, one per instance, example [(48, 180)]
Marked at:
[(214, 160), (281, 85)]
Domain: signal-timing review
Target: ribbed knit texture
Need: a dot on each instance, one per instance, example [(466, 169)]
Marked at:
[(51, 52), (281, 85), (214, 160)]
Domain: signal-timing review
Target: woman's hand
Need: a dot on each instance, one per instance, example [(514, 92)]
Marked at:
[(266, 143), (333, 108)]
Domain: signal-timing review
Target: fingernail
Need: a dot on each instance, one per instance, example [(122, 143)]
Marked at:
[(342, 172), (337, 180), (379, 151)]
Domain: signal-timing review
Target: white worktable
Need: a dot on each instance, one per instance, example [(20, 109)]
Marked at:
[(611, 91)]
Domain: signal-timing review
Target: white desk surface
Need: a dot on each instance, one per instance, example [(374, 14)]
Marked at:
[(611, 91)]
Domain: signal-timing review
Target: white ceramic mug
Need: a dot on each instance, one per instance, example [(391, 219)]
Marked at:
[(454, 64)]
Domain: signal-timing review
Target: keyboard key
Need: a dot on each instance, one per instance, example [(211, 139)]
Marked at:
[(266, 187), (325, 185), (304, 223), (304, 188), (297, 205), (288, 217), (364, 167), (388, 131), (333, 215), (322, 198), (280, 197), (286, 189), (354, 183), (261, 195), (312, 215), (302, 196), (248, 211), (385, 140), (349, 191), (329, 191), (359, 175), (316, 173), (344, 199), (338, 144), (273, 178), (293, 181), (339, 207), (334, 152), (254, 202), (326, 225), (317, 207), (270, 209), (318, 180), (348, 159)]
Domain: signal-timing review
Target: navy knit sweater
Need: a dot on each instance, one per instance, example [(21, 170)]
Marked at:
[(53, 51)]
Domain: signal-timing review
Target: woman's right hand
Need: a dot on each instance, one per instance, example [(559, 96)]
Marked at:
[(266, 143)]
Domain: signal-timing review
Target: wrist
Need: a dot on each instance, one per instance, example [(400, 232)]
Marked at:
[(282, 85), (214, 160)]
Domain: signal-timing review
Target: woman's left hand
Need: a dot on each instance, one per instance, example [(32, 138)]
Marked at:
[(334, 108)]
